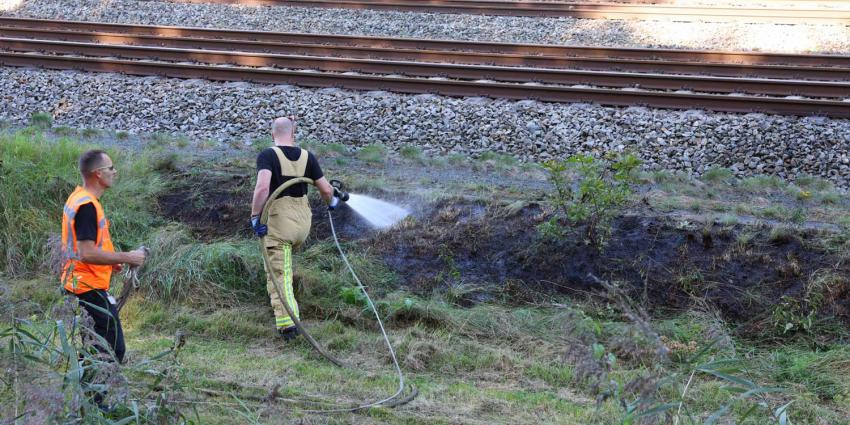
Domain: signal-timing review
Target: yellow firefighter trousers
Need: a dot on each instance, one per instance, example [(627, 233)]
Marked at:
[(289, 224)]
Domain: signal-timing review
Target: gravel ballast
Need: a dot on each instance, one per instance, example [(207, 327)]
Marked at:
[(612, 33), (691, 141)]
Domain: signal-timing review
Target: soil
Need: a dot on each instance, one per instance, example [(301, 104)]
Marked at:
[(497, 251)]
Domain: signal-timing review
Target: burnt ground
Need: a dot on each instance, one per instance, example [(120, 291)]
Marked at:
[(495, 251)]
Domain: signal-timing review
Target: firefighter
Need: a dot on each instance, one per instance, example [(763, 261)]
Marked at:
[(290, 216)]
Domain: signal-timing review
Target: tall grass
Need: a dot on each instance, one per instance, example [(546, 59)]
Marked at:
[(37, 173), (182, 268)]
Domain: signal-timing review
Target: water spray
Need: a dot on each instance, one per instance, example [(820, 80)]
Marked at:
[(379, 214), (394, 400)]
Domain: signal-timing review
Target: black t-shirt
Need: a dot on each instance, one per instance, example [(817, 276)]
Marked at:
[(267, 160), (85, 223)]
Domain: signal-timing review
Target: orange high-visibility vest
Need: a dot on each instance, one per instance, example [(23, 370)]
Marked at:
[(79, 277)]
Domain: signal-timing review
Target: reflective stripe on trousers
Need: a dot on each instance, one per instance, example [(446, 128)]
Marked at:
[(280, 257)]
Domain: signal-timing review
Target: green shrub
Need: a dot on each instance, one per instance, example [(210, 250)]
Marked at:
[(411, 152), (763, 183), (718, 174), (591, 192), (372, 154), (499, 159), (41, 120)]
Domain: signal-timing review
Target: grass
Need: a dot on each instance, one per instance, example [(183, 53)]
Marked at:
[(470, 365), (412, 153), (41, 120), (498, 160), (718, 175), (482, 362), (39, 174), (373, 154)]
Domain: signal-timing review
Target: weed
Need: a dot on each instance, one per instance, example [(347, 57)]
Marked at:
[(799, 194), (728, 219), (718, 175), (456, 159), (665, 392), (41, 120), (813, 183), (696, 206), (372, 154), (56, 377), (775, 212), (261, 143), (122, 135), (742, 209), (829, 198), (64, 131), (662, 176), (333, 149), (180, 268), (780, 235), (798, 216), (594, 198), (762, 183), (499, 160), (669, 204), (690, 282), (90, 133), (412, 153), (161, 139)]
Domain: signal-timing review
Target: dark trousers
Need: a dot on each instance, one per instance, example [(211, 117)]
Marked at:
[(108, 326)]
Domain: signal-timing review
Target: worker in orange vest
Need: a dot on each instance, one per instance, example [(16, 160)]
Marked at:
[(90, 256)]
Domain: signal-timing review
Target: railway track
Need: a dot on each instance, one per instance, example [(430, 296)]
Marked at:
[(100, 42), (581, 10), (780, 65)]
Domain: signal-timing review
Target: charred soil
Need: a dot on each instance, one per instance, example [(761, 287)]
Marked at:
[(743, 270)]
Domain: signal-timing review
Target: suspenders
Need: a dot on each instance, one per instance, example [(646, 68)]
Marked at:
[(291, 168)]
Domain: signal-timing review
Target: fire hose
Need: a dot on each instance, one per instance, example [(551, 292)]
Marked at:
[(395, 399)]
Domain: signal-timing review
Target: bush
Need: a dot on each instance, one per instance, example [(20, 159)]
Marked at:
[(372, 154), (41, 120), (590, 192)]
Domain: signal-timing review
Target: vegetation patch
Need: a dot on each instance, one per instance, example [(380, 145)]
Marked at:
[(674, 317)]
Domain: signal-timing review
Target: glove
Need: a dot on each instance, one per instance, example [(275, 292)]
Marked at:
[(334, 202), (259, 229)]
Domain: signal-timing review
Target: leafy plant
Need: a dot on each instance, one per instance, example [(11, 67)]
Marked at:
[(372, 154), (41, 120), (58, 375), (590, 192)]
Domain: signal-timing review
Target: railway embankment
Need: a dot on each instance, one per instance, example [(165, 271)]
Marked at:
[(692, 141)]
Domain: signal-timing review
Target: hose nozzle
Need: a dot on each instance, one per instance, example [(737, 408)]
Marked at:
[(338, 190)]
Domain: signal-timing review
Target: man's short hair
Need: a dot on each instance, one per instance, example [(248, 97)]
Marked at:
[(90, 161)]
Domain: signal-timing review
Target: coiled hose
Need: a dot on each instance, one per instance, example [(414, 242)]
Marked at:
[(394, 400)]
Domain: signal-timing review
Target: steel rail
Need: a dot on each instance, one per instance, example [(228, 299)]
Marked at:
[(543, 93), (437, 56), (587, 52), (570, 9), (454, 71)]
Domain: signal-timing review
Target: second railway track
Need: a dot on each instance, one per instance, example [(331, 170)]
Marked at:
[(340, 54), (581, 10)]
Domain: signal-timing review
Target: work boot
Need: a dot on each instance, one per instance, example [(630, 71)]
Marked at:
[(289, 333)]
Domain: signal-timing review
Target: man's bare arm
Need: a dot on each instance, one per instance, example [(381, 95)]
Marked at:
[(325, 189), (91, 254), (261, 191)]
